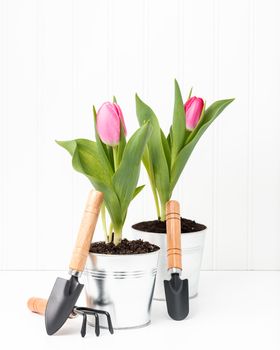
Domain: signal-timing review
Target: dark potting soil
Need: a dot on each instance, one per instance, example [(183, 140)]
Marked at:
[(187, 226), (124, 247)]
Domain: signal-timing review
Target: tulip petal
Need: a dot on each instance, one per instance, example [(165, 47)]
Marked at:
[(119, 112), (108, 124), (193, 109)]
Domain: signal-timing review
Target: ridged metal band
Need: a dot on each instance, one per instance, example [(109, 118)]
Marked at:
[(119, 275), (75, 273), (175, 270)]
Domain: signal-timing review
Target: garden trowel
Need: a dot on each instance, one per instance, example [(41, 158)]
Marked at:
[(65, 292), (176, 290)]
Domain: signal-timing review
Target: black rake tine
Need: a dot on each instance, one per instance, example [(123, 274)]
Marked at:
[(97, 327), (84, 325), (95, 313), (109, 321), (110, 326), (106, 313), (88, 311)]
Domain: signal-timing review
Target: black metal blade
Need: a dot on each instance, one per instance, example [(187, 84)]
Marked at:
[(177, 297), (61, 302)]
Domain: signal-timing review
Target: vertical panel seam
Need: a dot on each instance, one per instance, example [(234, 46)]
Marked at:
[(215, 133), (109, 49), (6, 158), (180, 40), (180, 52), (146, 49), (73, 113), (2, 125), (251, 67), (38, 134)]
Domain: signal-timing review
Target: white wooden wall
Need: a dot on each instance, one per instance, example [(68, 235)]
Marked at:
[(58, 57)]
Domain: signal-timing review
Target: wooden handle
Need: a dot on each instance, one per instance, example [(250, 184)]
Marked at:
[(86, 231), (37, 305), (173, 230)]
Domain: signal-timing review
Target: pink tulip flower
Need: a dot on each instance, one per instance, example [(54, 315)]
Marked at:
[(108, 123), (193, 110)]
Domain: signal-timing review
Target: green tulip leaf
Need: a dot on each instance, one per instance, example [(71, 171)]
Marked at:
[(190, 94), (138, 190), (126, 177), (178, 125), (156, 162), (166, 148), (70, 145), (121, 145), (210, 115), (87, 160)]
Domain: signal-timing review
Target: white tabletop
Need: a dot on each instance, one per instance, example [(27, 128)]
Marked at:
[(234, 310)]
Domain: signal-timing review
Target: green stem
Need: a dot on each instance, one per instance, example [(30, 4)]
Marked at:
[(156, 199), (115, 156), (163, 212), (111, 232), (117, 236), (104, 224), (154, 190)]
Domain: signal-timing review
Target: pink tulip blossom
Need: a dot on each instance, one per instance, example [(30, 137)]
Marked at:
[(108, 123), (193, 110)]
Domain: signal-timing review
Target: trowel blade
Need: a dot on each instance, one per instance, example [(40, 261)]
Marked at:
[(60, 304), (177, 297)]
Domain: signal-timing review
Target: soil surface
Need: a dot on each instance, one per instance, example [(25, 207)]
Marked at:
[(187, 226), (125, 247)]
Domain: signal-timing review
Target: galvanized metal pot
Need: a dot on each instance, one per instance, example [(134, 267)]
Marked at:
[(122, 285), (192, 250)]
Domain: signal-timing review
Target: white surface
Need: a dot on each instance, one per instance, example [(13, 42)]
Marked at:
[(58, 57), (234, 310)]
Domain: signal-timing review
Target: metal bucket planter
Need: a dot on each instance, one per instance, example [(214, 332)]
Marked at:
[(122, 285), (192, 251)]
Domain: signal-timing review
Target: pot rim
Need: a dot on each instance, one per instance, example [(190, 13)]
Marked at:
[(123, 255), (164, 233)]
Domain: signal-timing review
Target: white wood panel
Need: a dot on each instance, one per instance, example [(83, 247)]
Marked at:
[(265, 241), (54, 115), (90, 85), (232, 136), (59, 57), (3, 132), (195, 185), (162, 58), (21, 134)]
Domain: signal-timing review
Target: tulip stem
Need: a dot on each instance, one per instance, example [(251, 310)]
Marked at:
[(155, 198), (115, 156), (111, 232), (104, 224), (117, 236), (163, 212)]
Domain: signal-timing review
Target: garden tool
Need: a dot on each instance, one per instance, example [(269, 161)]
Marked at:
[(38, 306), (176, 290), (65, 292)]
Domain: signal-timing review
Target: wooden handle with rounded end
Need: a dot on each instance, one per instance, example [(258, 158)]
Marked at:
[(87, 227), (173, 231), (37, 305)]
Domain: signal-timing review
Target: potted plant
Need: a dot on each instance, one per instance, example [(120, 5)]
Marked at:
[(164, 159), (120, 274)]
